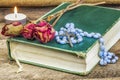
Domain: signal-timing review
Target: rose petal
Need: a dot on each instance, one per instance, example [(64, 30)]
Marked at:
[(42, 23), (4, 29), (12, 30), (16, 23), (30, 26), (41, 29), (28, 31), (44, 32), (45, 37)]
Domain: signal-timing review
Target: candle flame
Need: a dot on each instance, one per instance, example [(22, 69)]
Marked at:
[(15, 11)]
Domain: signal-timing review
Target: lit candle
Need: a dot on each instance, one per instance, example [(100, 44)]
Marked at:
[(15, 17), (15, 11)]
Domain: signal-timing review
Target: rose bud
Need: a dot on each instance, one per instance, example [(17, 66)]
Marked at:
[(42, 26), (44, 32), (42, 23), (28, 31), (12, 29)]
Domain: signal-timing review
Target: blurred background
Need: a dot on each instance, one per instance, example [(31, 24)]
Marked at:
[(34, 9)]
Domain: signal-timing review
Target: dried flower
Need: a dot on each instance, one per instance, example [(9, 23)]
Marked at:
[(12, 29), (28, 31), (44, 32)]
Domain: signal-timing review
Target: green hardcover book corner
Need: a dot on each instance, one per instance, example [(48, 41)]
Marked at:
[(88, 18)]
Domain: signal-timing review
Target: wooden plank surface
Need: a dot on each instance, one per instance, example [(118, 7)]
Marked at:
[(8, 68)]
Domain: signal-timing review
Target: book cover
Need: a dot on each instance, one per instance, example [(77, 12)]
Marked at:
[(88, 18)]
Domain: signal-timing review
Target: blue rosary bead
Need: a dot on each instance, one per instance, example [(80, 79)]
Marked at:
[(110, 57), (101, 40), (110, 54), (89, 35), (56, 33), (103, 62), (82, 34), (68, 30), (113, 61), (105, 58), (60, 37), (101, 54), (72, 38), (62, 29), (58, 40), (92, 33), (80, 40), (108, 61), (65, 38), (85, 33), (79, 30), (65, 29), (77, 34), (98, 34), (105, 53), (62, 42), (57, 37), (72, 25), (61, 32), (72, 30), (95, 36), (102, 47), (67, 25), (116, 58), (73, 41)]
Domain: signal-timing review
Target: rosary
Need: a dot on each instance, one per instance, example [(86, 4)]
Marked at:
[(70, 34)]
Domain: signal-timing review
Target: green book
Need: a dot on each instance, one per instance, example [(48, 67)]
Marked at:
[(79, 59)]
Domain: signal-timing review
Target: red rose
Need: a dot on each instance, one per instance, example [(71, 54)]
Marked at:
[(44, 32), (42, 23), (28, 31), (12, 29)]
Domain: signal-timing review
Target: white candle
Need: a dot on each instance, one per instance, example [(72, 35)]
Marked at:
[(15, 17)]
